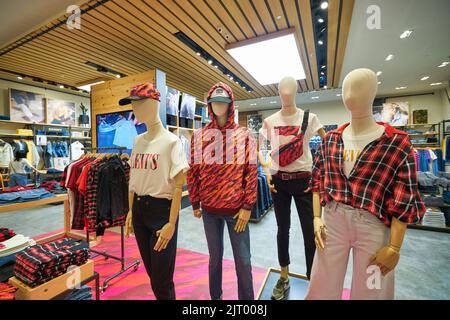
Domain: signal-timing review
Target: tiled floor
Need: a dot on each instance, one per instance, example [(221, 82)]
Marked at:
[(423, 271)]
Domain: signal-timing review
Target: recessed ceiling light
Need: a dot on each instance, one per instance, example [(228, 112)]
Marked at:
[(320, 20), (118, 76), (436, 84), (425, 78), (338, 95), (279, 55), (444, 64), (61, 87), (272, 102), (390, 57), (216, 66), (379, 82), (20, 78), (210, 61), (278, 17), (315, 98), (322, 73), (406, 34), (400, 88), (231, 78), (323, 67), (379, 73), (198, 53), (320, 42), (324, 5), (253, 104)]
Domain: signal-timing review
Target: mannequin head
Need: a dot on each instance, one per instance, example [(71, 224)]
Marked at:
[(359, 90), (146, 111), (288, 90), (220, 109)]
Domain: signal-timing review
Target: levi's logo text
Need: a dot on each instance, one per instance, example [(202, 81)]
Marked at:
[(147, 161)]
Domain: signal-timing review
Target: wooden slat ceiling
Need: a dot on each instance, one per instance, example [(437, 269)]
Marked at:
[(131, 36)]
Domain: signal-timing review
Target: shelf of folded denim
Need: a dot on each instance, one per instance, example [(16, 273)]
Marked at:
[(24, 196)]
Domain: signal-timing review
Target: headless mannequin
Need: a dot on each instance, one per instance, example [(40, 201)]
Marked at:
[(359, 91), (220, 110), (288, 90), (147, 111)]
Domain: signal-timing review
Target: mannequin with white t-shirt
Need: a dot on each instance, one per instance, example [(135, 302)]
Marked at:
[(367, 234), (290, 128), (157, 174)]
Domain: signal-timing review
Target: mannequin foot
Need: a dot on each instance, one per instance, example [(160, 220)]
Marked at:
[(281, 289)]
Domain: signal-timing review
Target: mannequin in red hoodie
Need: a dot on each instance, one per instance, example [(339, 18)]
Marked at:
[(222, 179)]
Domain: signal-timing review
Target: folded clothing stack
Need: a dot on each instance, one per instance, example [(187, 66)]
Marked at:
[(7, 291), (42, 263), (15, 244), (24, 196), (6, 234)]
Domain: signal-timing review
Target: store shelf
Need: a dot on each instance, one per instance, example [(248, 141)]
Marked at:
[(422, 134), (44, 124), (15, 135)]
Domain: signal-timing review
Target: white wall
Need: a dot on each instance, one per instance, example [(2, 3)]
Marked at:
[(4, 96), (334, 112)]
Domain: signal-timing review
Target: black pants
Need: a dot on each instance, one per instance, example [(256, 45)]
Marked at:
[(150, 215), (286, 190)]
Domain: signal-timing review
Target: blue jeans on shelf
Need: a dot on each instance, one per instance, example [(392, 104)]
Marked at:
[(240, 243)]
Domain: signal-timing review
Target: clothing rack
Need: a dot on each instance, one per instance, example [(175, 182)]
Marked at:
[(124, 268)]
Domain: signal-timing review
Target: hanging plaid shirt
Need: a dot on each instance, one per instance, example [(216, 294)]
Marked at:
[(383, 180)]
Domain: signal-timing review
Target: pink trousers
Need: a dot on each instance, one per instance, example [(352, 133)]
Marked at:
[(363, 233)]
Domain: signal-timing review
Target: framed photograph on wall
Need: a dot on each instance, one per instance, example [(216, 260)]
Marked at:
[(394, 113), (255, 122), (60, 112), (420, 116), (26, 106)]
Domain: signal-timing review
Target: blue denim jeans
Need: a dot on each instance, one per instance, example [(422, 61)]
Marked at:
[(240, 242), (17, 179), (24, 196)]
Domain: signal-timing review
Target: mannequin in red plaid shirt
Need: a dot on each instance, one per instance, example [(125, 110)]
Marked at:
[(364, 175)]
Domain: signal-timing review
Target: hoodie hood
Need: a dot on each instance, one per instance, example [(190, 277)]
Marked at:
[(230, 119)]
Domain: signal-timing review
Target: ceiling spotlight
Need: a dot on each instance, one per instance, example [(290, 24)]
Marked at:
[(436, 84), (320, 42), (406, 34), (118, 76), (20, 78), (198, 53), (231, 78), (390, 57), (320, 20), (272, 102), (323, 67), (249, 91), (61, 87), (253, 104), (216, 66), (379, 82), (400, 88), (325, 87), (425, 78), (444, 64), (210, 61), (324, 5), (322, 73), (315, 98), (338, 95), (278, 17), (379, 73)]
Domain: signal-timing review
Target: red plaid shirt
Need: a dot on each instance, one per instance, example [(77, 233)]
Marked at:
[(383, 180)]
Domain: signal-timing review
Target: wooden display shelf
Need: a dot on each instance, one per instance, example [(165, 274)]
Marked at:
[(43, 124), (55, 286)]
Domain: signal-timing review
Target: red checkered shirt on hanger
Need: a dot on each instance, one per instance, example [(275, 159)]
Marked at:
[(383, 180)]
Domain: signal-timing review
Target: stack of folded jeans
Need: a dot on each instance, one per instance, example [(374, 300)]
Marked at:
[(24, 196), (42, 263)]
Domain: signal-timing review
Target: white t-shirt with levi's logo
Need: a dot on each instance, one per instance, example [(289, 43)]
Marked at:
[(279, 129), (154, 165)]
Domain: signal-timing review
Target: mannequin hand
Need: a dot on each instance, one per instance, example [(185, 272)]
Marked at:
[(386, 259), (129, 225), (164, 236), (198, 213), (320, 233), (243, 216), (270, 183)]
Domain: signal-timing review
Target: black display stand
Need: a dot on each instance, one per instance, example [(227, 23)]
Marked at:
[(299, 285)]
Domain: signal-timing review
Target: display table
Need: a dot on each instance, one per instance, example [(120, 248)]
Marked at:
[(31, 204), (58, 286), (299, 285)]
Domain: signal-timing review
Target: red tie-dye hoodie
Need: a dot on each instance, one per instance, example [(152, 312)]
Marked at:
[(223, 185)]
